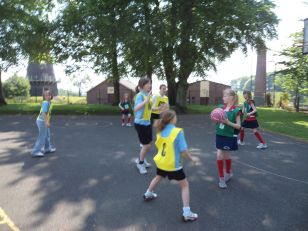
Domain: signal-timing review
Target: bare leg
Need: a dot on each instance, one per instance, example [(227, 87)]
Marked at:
[(144, 150), (185, 192), (154, 182)]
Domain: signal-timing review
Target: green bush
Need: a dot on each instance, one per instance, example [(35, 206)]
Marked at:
[(16, 86)]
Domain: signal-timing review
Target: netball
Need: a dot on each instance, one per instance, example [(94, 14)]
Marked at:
[(218, 114)]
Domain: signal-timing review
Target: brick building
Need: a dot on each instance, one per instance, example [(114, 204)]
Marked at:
[(205, 92), (103, 93)]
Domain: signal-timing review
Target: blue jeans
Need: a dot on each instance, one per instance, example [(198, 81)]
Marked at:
[(43, 138)]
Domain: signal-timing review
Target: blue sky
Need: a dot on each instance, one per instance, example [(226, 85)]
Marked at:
[(290, 12)]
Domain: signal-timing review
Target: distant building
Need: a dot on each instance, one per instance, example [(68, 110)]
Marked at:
[(205, 92), (103, 93), (41, 77)]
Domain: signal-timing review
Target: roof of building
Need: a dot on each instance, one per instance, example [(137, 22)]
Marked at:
[(208, 81), (125, 83)]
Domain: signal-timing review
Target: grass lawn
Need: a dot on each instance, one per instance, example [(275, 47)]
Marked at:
[(276, 120)]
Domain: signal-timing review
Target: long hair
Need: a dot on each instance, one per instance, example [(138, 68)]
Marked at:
[(248, 93), (231, 92), (165, 118)]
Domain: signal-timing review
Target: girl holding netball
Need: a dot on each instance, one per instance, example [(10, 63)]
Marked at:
[(171, 145), (250, 121), (142, 111), (226, 136)]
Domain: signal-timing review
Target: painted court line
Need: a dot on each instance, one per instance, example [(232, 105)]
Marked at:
[(4, 219), (271, 173)]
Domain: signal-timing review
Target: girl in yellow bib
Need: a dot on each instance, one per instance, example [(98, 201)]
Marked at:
[(43, 124), (160, 103), (171, 145), (142, 123)]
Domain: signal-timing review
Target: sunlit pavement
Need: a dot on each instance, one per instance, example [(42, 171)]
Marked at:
[(91, 182)]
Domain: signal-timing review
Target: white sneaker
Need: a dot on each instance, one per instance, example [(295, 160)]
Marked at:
[(190, 216), (38, 154), (129, 125), (261, 146), (228, 176), (123, 124), (50, 150), (146, 164), (149, 196), (240, 142), (222, 184), (141, 168)]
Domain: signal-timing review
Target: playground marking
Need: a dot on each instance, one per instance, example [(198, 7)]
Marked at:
[(271, 173), (4, 219)]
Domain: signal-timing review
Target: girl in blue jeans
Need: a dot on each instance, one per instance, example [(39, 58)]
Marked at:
[(43, 124)]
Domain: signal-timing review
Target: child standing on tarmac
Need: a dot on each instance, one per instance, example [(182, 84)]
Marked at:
[(160, 103), (43, 124), (250, 111), (226, 136), (125, 107), (171, 145), (142, 111)]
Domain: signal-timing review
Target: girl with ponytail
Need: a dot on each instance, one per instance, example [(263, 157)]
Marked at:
[(171, 145)]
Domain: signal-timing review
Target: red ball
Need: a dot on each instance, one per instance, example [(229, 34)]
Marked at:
[(218, 114)]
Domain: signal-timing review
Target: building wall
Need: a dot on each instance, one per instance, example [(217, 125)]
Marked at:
[(99, 94), (212, 96)]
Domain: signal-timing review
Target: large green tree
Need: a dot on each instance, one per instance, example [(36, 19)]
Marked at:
[(21, 32), (209, 31), (294, 78), (90, 33)]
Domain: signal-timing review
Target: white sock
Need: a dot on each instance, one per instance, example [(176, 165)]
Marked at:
[(186, 210)]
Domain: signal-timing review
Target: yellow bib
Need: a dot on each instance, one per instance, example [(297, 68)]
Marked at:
[(159, 101), (165, 157), (48, 114), (147, 109)]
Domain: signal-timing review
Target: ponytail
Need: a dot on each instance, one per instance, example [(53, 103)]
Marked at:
[(165, 118)]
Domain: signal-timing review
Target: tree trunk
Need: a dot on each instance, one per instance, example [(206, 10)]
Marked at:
[(168, 53), (115, 74), (2, 99), (186, 53), (169, 73), (149, 42)]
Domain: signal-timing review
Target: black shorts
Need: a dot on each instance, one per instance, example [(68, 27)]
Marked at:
[(173, 175), (154, 117), (144, 133), (250, 124), (125, 112), (226, 143)]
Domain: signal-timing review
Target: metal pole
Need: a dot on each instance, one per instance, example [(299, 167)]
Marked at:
[(274, 85)]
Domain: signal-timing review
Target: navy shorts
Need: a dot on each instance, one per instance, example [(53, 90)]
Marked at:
[(250, 124), (144, 133), (125, 112), (172, 175), (226, 143), (154, 117)]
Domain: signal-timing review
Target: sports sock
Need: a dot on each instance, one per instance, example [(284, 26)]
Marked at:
[(242, 134), (220, 165), (228, 166), (259, 137)]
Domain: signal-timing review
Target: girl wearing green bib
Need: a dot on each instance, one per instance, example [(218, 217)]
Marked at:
[(226, 136), (171, 145)]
